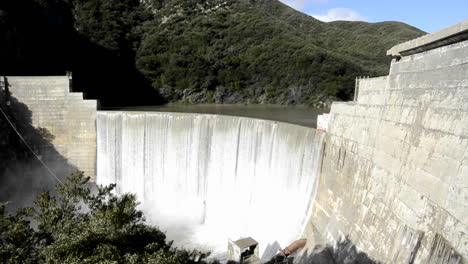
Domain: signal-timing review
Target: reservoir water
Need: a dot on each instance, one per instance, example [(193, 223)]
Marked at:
[(299, 115)]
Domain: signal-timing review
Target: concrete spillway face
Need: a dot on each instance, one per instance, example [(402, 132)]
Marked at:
[(206, 178)]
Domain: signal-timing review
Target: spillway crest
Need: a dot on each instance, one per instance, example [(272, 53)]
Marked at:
[(205, 179)]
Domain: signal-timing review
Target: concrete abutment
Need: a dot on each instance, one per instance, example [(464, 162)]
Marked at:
[(69, 118), (395, 170)]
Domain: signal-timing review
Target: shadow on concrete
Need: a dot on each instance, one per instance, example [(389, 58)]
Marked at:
[(345, 252), (22, 175)]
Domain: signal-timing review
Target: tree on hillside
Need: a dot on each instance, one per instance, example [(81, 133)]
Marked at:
[(146, 52), (81, 226), (114, 25)]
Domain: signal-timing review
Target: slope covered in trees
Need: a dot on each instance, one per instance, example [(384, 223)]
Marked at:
[(80, 226), (259, 52), (154, 51)]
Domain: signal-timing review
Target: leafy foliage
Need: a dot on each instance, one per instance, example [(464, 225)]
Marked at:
[(80, 226), (111, 24), (194, 51), (259, 52)]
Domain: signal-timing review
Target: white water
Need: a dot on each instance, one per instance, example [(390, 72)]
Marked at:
[(206, 178)]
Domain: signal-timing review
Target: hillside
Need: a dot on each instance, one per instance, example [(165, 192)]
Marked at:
[(245, 51), (260, 52)]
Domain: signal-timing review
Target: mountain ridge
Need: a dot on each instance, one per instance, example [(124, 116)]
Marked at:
[(252, 27), (193, 51)]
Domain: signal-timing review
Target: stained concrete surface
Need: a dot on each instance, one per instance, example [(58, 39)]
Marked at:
[(395, 167)]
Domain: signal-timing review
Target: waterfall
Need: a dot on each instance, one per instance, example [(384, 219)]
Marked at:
[(206, 178)]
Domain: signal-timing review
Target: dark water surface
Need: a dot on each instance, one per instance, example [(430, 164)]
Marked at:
[(299, 115)]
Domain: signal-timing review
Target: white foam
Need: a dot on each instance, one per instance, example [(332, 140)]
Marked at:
[(207, 178)]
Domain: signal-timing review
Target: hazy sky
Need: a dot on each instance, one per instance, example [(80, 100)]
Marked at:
[(429, 15)]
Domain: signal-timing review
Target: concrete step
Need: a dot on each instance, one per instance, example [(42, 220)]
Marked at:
[(371, 90), (449, 98), (82, 103), (38, 81), (450, 121), (450, 77), (30, 79), (443, 57), (29, 93), (38, 87), (371, 84), (75, 96)]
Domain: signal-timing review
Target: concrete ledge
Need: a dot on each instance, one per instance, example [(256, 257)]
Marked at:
[(444, 37)]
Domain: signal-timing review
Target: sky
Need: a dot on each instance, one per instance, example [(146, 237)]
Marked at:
[(429, 15)]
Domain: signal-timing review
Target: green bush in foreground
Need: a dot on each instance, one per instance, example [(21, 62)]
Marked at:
[(80, 226)]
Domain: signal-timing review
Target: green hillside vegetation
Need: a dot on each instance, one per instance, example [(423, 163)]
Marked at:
[(79, 226), (193, 51), (260, 52)]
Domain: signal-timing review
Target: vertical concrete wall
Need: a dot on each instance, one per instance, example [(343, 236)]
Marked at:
[(395, 170), (69, 118)]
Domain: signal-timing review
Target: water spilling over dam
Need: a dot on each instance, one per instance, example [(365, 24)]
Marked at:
[(207, 178)]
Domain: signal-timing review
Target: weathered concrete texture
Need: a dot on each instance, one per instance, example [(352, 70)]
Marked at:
[(65, 115), (395, 170)]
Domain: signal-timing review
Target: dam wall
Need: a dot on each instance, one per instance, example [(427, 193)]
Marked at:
[(394, 176), (64, 114), (213, 177)]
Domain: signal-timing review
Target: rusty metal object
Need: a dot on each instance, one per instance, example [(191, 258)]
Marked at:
[(294, 246)]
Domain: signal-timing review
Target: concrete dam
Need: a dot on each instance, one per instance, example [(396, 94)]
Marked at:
[(389, 175), (213, 177)]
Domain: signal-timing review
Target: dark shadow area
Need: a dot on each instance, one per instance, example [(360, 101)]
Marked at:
[(22, 175), (345, 252), (443, 252), (113, 80), (41, 40)]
